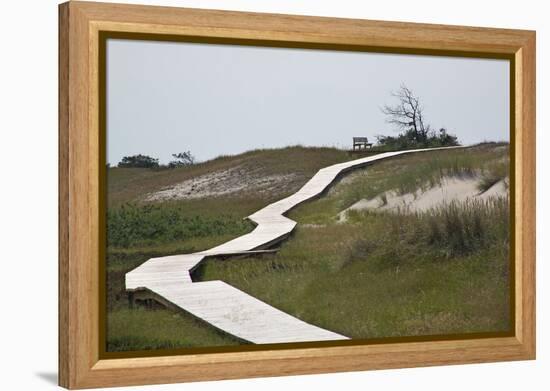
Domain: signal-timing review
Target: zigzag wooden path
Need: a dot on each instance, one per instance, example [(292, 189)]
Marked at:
[(226, 307)]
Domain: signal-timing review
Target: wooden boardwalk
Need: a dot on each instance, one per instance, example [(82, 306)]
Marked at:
[(224, 306)]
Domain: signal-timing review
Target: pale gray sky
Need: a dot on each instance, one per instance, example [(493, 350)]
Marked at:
[(165, 97)]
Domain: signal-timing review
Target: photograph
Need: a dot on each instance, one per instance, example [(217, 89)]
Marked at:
[(282, 195)]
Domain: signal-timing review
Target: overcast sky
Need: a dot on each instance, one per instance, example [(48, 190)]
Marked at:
[(164, 98)]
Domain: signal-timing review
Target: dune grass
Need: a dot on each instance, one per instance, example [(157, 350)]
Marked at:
[(494, 172), (403, 174), (140, 329), (386, 275)]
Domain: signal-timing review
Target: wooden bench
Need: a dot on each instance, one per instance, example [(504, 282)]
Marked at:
[(361, 143)]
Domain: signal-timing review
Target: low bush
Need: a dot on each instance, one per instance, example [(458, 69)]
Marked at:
[(407, 140), (139, 225)]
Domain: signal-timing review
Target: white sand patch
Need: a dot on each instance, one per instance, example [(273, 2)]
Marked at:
[(450, 189), (219, 183)]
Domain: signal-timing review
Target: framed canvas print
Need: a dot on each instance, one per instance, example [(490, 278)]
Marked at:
[(248, 195)]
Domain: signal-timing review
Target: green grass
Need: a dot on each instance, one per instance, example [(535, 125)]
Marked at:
[(132, 225), (140, 329), (379, 275), (387, 275)]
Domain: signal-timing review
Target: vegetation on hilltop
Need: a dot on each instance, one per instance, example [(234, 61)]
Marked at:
[(408, 118), (138, 161)]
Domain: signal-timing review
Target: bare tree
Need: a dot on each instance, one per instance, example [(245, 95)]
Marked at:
[(407, 114)]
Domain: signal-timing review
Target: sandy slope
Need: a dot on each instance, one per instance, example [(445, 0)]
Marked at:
[(450, 189), (220, 183)]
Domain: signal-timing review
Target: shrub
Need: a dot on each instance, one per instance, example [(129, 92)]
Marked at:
[(407, 140), (132, 225), (182, 159), (138, 161)]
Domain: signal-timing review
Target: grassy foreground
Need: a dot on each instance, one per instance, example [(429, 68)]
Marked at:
[(380, 274)]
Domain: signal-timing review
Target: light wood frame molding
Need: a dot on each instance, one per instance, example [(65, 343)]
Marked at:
[(80, 23)]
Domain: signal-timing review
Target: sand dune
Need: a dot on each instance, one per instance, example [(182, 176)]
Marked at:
[(221, 183), (450, 189)]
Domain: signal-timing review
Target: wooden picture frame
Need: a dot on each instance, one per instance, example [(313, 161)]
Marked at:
[(81, 364)]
